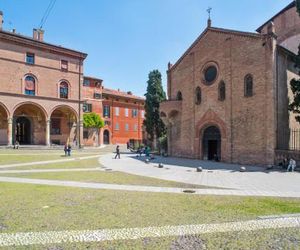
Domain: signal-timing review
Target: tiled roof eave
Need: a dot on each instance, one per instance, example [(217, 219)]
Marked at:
[(23, 40)]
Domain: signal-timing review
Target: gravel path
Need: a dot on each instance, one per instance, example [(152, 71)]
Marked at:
[(53, 237), (138, 188)]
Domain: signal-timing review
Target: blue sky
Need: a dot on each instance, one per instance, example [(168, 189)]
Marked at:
[(125, 39)]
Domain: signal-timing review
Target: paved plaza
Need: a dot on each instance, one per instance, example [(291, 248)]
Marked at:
[(214, 174)]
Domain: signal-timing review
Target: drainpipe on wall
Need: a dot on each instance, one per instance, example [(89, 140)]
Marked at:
[(79, 105)]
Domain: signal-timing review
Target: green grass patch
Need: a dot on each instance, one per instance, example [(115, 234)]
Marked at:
[(86, 163), (104, 177), (79, 208)]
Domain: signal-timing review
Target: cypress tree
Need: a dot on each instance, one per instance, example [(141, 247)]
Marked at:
[(155, 94)]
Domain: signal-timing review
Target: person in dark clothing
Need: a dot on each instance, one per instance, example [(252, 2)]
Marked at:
[(117, 152), (69, 149), (128, 145), (66, 149)]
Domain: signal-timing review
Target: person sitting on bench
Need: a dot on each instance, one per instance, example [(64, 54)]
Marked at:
[(292, 165)]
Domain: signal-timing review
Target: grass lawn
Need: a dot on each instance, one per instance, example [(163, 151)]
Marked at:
[(86, 163), (105, 177), (79, 209), (34, 157)]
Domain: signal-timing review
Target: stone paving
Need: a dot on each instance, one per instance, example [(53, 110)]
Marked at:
[(214, 174), (56, 237), (138, 188)]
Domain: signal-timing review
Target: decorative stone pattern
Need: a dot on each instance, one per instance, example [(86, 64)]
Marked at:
[(52, 237)]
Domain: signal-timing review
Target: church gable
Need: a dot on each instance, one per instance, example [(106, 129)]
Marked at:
[(184, 60)]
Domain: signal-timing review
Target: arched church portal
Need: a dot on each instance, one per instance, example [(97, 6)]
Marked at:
[(211, 142)]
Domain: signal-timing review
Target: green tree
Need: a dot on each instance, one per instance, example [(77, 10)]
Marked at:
[(154, 96), (92, 120), (295, 83)]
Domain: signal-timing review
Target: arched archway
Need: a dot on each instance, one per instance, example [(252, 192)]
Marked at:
[(106, 137), (211, 143), (23, 130), (3, 125), (63, 126), (29, 122)]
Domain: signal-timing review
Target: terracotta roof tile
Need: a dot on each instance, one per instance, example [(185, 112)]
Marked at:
[(121, 94)]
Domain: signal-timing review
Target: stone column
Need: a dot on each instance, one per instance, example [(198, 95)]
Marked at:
[(10, 131), (48, 122), (169, 135)]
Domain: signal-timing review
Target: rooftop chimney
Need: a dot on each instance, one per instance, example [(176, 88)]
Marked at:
[(1, 19), (38, 34)]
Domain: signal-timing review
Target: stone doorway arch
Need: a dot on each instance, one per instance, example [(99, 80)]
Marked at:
[(211, 144), (29, 122)]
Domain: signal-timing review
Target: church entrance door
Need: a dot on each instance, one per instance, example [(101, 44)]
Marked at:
[(211, 142)]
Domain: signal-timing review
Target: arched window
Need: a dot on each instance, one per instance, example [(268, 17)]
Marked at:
[(198, 96), (29, 85), (248, 86), (64, 90), (179, 96), (222, 91)]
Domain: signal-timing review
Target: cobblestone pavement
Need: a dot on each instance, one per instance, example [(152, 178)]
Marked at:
[(52, 237), (214, 174)]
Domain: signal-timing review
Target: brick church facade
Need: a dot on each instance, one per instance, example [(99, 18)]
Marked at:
[(43, 96), (228, 94)]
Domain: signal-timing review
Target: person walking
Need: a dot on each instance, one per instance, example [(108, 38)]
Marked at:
[(117, 152)]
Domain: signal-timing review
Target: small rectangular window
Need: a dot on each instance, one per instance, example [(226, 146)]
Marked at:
[(97, 96), (106, 111), (135, 127), (117, 126), (29, 58), (64, 65), (87, 108), (143, 114), (134, 113), (126, 112), (117, 111), (126, 127), (86, 82)]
